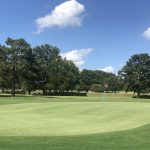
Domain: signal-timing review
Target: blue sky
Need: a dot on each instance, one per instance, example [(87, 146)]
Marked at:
[(99, 34)]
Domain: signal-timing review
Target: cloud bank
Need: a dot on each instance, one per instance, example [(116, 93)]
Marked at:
[(66, 14), (108, 69), (146, 33), (77, 56)]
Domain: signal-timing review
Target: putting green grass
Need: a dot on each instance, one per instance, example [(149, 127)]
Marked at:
[(71, 118), (107, 121)]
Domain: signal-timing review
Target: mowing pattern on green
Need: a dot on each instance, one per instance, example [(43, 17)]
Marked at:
[(71, 118), (37, 123)]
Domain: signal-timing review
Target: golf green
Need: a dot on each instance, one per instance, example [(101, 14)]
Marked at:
[(71, 118)]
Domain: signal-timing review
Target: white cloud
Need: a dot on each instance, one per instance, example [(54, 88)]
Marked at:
[(146, 34), (66, 14), (77, 56), (108, 69)]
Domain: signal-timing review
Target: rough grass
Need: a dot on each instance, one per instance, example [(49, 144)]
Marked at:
[(107, 121)]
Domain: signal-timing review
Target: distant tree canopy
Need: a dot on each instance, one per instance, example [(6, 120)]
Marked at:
[(136, 74), (105, 81), (42, 68)]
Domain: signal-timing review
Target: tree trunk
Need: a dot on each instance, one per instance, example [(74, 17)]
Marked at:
[(3, 90), (138, 94), (44, 91), (13, 89), (29, 92), (13, 82)]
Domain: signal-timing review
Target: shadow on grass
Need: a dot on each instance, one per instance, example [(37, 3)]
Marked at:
[(142, 97), (21, 95), (5, 95)]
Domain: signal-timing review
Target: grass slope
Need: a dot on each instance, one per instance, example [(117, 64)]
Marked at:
[(77, 123)]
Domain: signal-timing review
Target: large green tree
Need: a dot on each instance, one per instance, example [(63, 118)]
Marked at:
[(28, 71), (4, 68), (136, 73), (45, 56), (64, 75), (68, 75), (17, 48)]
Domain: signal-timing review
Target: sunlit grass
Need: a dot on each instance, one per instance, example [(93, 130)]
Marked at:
[(98, 121)]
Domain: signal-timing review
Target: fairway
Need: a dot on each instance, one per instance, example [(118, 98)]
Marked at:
[(55, 118)]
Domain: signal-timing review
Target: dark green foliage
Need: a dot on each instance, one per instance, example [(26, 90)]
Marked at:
[(39, 68), (97, 88), (99, 81), (136, 73), (113, 83), (16, 51), (28, 72), (55, 74), (4, 68), (45, 56)]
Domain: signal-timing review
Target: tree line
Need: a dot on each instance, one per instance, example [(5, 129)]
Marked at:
[(42, 68)]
